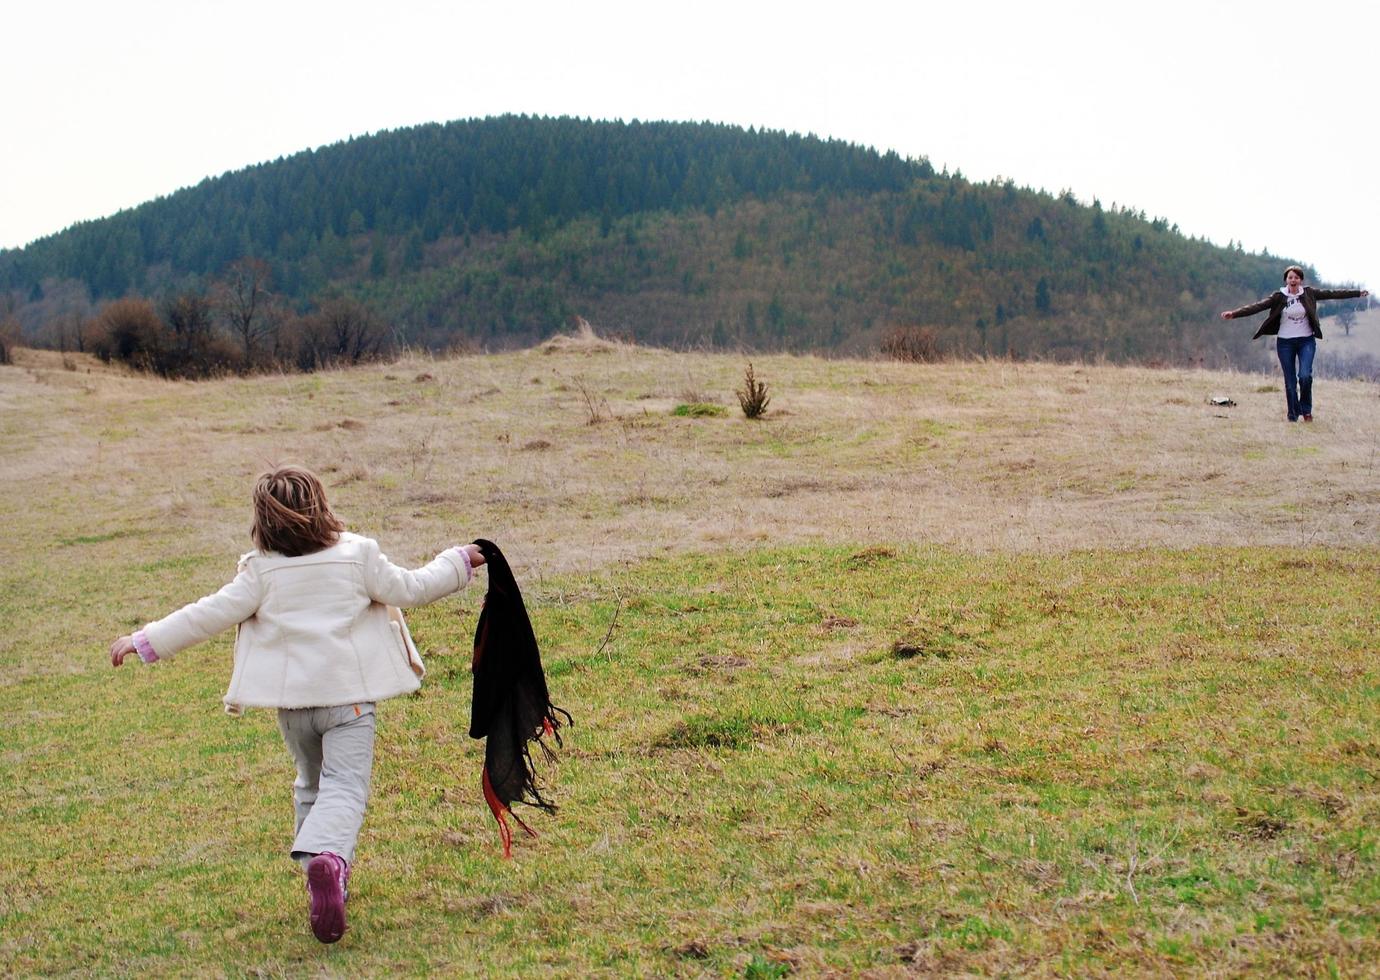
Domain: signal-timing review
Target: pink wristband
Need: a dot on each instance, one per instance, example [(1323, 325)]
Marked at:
[(144, 648), (465, 557)]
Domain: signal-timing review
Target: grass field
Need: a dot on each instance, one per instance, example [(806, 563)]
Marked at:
[(967, 668)]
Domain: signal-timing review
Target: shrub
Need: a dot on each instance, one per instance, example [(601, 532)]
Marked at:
[(753, 395), (596, 407), (181, 343), (128, 330), (915, 345)]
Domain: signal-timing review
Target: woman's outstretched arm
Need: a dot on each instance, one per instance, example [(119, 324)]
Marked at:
[(1264, 304), (1341, 293)]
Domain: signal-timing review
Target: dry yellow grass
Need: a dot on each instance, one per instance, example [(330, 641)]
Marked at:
[(569, 453)]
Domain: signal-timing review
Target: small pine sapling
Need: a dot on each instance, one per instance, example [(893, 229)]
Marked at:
[(753, 395)]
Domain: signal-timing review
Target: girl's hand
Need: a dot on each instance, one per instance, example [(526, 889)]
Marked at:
[(1226, 314), (120, 649), (476, 556)]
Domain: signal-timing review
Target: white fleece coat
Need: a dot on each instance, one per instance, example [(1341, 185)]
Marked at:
[(314, 630)]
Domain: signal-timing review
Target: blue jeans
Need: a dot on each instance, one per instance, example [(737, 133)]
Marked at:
[(1296, 358)]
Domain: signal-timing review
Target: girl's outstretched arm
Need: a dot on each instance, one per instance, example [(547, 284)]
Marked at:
[(199, 620), (396, 586)]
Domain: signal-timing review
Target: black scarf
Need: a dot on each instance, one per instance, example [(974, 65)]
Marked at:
[(511, 706)]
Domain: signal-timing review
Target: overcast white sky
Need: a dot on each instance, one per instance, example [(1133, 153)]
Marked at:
[(1248, 121)]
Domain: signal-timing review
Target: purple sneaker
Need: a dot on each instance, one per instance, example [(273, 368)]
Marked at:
[(327, 877)]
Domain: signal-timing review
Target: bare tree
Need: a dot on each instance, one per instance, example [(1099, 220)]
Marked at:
[(9, 338), (196, 349), (9, 328), (189, 317), (71, 332), (343, 331), (243, 299), (355, 333)]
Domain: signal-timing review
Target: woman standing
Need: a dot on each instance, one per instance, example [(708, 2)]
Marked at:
[(1293, 320)]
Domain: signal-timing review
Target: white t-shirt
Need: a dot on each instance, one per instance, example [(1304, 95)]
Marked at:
[(1295, 321)]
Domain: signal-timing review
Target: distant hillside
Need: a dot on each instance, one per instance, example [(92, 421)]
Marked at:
[(498, 231)]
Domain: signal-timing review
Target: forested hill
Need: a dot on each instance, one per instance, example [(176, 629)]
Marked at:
[(500, 230)]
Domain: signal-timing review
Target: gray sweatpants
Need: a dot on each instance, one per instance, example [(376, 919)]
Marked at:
[(334, 752)]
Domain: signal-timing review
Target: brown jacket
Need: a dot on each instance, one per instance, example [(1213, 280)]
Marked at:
[(1275, 303)]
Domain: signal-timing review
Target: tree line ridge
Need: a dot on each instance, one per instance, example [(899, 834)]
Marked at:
[(497, 232)]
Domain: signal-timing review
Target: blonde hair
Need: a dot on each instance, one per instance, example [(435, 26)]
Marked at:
[(291, 515)]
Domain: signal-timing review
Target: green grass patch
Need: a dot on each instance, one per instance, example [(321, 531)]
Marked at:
[(92, 538), (1139, 762), (699, 410)]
